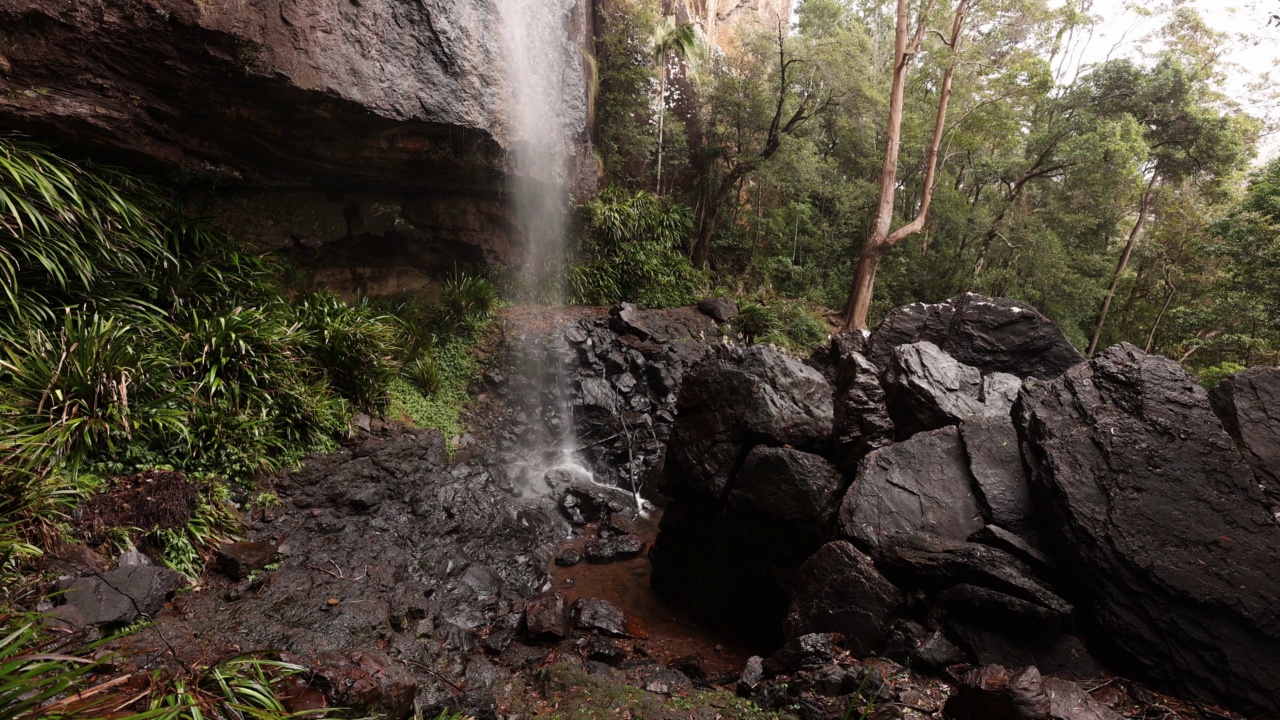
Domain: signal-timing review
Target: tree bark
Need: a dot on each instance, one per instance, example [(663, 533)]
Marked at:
[(1144, 208), (881, 239), (662, 114)]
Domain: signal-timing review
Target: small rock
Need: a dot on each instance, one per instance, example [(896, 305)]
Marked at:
[(751, 675), (603, 616), (120, 596), (722, 310), (240, 559), (133, 558), (605, 650), (601, 550), (544, 615), (629, 545), (805, 652), (569, 557)]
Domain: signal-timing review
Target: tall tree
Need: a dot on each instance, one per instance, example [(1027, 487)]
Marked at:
[(881, 239), (678, 41)]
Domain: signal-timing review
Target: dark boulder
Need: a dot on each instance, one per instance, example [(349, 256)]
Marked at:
[(995, 461), (911, 643), (990, 334), (786, 484), (927, 389), (840, 590), (993, 693), (1170, 545), (1248, 403), (921, 484), (862, 421), (826, 359), (120, 596), (735, 399), (722, 310), (1001, 539), (238, 560)]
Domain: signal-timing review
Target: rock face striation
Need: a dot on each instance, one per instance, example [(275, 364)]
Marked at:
[(1093, 510), (379, 128), (1149, 504)]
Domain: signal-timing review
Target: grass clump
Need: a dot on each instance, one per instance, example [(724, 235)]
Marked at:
[(788, 324)]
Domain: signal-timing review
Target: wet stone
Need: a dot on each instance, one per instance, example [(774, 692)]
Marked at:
[(602, 616), (601, 550), (569, 557), (807, 651), (544, 615), (605, 650)]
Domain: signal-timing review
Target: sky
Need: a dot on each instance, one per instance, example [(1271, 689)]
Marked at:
[(1255, 49)]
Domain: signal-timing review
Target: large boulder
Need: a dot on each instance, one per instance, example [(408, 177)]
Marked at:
[(786, 485), (862, 421), (921, 485), (1248, 403), (118, 597), (839, 590), (995, 460), (736, 399), (1167, 539), (990, 334), (928, 389)]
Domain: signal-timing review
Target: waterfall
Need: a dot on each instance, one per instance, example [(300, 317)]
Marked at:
[(543, 70)]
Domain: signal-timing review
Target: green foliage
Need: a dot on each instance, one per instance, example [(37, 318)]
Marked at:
[(626, 138), (354, 345), (631, 252), (31, 675), (1211, 376), (456, 369), (467, 303), (784, 323)]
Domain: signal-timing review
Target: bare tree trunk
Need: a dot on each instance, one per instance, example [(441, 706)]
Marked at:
[(662, 114), (1144, 207), (1168, 300), (881, 239)]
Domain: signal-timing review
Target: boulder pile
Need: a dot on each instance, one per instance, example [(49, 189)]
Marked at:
[(962, 487)]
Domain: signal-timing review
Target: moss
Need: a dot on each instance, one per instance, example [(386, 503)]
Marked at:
[(457, 369), (564, 692)]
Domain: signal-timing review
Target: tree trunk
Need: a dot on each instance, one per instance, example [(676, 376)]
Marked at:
[(881, 240), (1144, 207), (662, 114), (1168, 300)]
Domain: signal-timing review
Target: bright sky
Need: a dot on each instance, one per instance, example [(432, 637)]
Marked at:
[(1254, 48)]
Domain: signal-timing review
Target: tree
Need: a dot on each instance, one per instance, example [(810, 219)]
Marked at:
[(801, 96), (679, 41), (881, 239)]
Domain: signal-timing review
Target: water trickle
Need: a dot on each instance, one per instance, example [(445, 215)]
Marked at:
[(542, 68)]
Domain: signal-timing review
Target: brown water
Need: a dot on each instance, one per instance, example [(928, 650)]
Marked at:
[(668, 633)]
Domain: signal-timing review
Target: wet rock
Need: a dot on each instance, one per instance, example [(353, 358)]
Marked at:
[(544, 615), (737, 398), (993, 693), (601, 550), (1161, 525), (861, 416), (363, 682), (120, 596), (568, 557), (840, 590), (786, 484), (605, 650), (722, 310), (990, 334), (602, 616), (751, 675), (1001, 539), (581, 505), (1016, 643), (1248, 403), (911, 643), (919, 484), (995, 461), (804, 652), (927, 389), (629, 546), (655, 677), (936, 564), (238, 560), (502, 633)]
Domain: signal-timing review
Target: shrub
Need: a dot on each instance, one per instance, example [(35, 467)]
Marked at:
[(354, 344), (787, 324), (467, 302), (632, 252)]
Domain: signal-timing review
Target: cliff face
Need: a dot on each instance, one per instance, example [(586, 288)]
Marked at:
[(725, 20), (373, 124)]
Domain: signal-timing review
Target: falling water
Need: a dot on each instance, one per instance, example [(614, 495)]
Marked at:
[(542, 69)]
